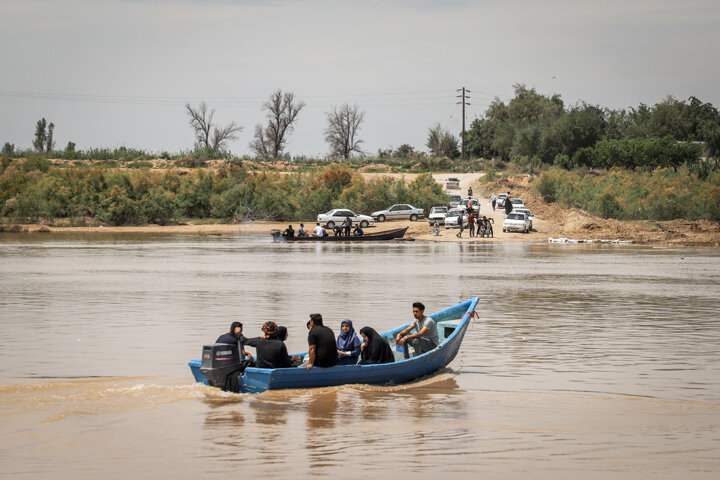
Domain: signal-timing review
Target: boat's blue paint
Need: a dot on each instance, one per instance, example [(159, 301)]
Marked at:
[(261, 379)]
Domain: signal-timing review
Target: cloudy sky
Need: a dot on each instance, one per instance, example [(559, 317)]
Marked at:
[(117, 73)]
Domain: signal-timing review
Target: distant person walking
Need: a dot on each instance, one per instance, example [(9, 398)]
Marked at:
[(469, 191), (493, 201), (508, 204), (461, 219)]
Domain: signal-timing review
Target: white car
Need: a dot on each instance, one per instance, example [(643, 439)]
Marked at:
[(517, 203), (454, 200), (398, 212), (516, 222), (475, 204), (437, 213), (452, 182), (337, 217), (526, 211), (451, 219)]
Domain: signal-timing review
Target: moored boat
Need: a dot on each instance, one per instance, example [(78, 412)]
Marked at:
[(368, 237), (452, 324)]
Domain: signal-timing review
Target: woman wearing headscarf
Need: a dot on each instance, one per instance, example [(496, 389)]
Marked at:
[(348, 344), (375, 349)]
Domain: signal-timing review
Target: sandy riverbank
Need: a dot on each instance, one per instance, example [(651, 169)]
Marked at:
[(550, 220)]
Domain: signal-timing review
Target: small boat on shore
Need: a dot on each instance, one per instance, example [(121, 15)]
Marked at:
[(452, 323), (368, 237)]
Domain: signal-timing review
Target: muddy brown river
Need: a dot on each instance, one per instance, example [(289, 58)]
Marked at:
[(586, 361)]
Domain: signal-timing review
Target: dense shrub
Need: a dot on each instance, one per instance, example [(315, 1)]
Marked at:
[(661, 194), (35, 189)]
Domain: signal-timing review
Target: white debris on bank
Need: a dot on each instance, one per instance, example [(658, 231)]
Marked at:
[(600, 240)]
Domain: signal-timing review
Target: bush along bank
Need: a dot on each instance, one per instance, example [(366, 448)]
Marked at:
[(34, 189), (640, 194)]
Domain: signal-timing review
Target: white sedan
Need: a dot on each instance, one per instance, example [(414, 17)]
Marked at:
[(451, 219), (516, 222), (526, 211), (437, 213), (399, 211), (337, 217)]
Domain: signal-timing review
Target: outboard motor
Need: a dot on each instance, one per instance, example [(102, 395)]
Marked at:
[(277, 236), (222, 366)]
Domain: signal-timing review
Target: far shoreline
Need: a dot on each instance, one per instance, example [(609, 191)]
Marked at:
[(417, 231)]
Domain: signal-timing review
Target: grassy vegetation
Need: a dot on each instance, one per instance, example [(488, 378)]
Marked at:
[(36, 189), (660, 194)]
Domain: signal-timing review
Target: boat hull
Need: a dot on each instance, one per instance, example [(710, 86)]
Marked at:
[(370, 237), (260, 379)]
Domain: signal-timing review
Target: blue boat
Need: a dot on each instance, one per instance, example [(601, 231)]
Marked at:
[(452, 324)]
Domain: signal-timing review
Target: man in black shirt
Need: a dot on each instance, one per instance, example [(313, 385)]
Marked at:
[(321, 340), (235, 336), (270, 351), (289, 232)]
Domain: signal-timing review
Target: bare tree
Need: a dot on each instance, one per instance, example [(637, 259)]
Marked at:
[(207, 134), (342, 130), (282, 110)]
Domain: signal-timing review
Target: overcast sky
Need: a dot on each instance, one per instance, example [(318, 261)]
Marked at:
[(117, 73)]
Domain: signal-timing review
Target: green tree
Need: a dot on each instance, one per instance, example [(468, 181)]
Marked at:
[(40, 135)]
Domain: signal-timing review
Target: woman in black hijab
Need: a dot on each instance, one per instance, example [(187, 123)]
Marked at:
[(374, 349)]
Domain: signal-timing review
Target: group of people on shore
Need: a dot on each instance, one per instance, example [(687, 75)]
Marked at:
[(325, 350)]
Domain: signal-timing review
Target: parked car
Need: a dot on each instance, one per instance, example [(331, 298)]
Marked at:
[(516, 222), (452, 182), (526, 211), (517, 203), (451, 219), (400, 211), (500, 200), (475, 204), (437, 213), (454, 200), (337, 216)]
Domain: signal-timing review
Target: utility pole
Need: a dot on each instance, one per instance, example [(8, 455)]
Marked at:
[(463, 102)]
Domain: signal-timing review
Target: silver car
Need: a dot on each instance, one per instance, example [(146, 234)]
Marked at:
[(337, 217), (400, 211), (454, 200), (452, 182)]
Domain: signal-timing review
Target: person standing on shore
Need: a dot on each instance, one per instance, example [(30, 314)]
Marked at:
[(508, 204), (471, 224), (461, 219), (469, 192), (493, 201)]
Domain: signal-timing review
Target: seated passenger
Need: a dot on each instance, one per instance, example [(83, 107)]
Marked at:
[(235, 336), (270, 352), (358, 232), (322, 351), (425, 339), (289, 232), (301, 231), (282, 334), (348, 344), (319, 231), (374, 349)]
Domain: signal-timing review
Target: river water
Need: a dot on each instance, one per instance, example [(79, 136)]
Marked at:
[(592, 361)]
